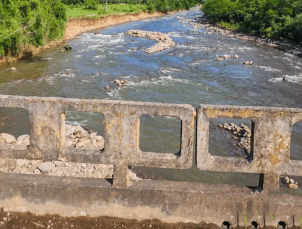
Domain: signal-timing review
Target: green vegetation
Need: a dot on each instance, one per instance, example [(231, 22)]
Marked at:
[(277, 19), (91, 4), (79, 11), (245, 220), (29, 22), (78, 8), (36, 22), (165, 6)]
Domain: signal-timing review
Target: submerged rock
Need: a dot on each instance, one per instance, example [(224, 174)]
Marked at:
[(224, 57), (121, 83), (248, 62)]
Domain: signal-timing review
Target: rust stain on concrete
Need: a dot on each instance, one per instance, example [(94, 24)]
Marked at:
[(274, 159)]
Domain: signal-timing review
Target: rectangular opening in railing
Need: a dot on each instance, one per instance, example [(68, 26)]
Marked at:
[(296, 142), (14, 129), (84, 131), (231, 138), (160, 134)]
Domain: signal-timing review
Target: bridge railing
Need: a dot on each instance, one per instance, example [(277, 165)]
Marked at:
[(121, 127), (270, 144), (271, 133)]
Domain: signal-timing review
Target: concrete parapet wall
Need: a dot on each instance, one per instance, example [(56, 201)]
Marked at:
[(270, 143), (145, 199)]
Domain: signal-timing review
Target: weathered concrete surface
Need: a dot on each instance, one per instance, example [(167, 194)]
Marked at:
[(146, 199), (270, 145), (47, 133), (57, 168), (167, 201)]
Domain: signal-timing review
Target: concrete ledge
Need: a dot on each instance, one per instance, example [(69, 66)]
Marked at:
[(167, 201)]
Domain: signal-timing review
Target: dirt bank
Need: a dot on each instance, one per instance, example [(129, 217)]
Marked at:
[(28, 220), (76, 26)]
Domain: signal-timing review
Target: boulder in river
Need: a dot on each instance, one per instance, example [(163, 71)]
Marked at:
[(241, 133), (248, 62), (77, 137), (164, 41), (285, 78), (8, 138), (225, 56)]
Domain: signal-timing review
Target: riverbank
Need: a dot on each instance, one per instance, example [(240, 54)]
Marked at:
[(76, 26), (203, 22)]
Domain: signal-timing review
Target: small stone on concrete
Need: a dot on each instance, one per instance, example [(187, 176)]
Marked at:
[(46, 166)]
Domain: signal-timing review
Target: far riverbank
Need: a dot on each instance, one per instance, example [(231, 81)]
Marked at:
[(203, 22), (77, 26)]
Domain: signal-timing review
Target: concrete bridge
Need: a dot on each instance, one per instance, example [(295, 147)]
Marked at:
[(146, 199)]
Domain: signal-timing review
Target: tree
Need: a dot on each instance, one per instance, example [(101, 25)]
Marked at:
[(29, 22), (268, 18), (91, 4)]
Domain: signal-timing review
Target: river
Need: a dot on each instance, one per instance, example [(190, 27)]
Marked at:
[(187, 73)]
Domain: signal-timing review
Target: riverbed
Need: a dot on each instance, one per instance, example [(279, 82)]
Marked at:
[(188, 73)]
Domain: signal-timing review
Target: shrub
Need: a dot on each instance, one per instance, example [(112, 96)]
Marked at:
[(91, 4), (268, 18), (102, 12), (33, 22), (150, 7)]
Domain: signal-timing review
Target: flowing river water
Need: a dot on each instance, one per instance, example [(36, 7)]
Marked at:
[(187, 74)]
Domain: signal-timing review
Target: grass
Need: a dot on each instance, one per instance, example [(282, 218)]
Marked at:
[(80, 11), (245, 219)]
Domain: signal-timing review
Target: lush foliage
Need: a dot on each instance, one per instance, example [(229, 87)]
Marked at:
[(152, 5), (36, 22), (81, 2), (91, 4), (278, 19), (165, 6), (31, 22), (79, 11), (76, 8)]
